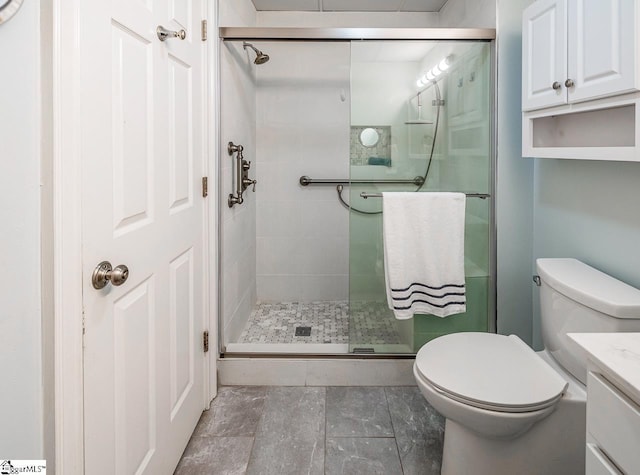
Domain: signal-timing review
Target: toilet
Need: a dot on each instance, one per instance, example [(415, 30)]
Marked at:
[(509, 409)]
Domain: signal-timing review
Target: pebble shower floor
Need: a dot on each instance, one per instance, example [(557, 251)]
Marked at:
[(330, 322)]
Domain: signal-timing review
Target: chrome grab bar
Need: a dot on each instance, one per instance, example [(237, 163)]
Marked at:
[(306, 181), (482, 196), (242, 175)]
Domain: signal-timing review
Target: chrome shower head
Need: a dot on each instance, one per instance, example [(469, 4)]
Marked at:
[(261, 58)]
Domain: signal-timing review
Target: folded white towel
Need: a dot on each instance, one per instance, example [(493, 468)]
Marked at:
[(424, 253)]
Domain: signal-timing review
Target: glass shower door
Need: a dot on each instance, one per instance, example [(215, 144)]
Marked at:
[(404, 134)]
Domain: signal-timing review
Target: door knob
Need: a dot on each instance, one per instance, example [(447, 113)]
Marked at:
[(104, 273), (163, 33), (556, 85), (569, 83)]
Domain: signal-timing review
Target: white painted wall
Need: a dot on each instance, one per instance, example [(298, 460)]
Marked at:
[(514, 186), (46, 233), (302, 129), (468, 14), (588, 210), (348, 19), (21, 400), (236, 13), (238, 125)]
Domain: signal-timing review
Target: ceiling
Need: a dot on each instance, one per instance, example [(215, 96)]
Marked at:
[(350, 5)]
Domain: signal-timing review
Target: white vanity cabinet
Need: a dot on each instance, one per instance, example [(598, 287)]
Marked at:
[(613, 402), (578, 50), (579, 58), (613, 428)]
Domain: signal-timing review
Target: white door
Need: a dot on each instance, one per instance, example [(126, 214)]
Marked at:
[(544, 54), (602, 48), (142, 152)]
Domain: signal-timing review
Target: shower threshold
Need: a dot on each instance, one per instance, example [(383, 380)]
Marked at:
[(315, 349)]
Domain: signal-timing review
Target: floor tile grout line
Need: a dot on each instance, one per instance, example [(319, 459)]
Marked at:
[(393, 426), (255, 432), (326, 432), (360, 437)]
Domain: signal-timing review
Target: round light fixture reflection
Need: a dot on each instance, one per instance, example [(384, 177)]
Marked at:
[(444, 64)]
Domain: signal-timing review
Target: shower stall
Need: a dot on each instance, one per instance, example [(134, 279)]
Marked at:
[(316, 124)]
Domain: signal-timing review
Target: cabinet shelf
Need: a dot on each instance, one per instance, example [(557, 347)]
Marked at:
[(598, 130)]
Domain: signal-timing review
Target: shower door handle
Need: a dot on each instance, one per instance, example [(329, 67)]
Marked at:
[(247, 182)]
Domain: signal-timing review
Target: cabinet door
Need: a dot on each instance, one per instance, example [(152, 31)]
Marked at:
[(544, 54), (602, 45)]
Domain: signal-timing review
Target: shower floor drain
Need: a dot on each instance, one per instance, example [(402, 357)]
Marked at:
[(303, 331)]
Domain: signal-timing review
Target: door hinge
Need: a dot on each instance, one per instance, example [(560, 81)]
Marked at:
[(205, 186), (204, 30), (205, 341)]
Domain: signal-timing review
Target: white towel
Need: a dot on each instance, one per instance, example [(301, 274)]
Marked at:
[(424, 253)]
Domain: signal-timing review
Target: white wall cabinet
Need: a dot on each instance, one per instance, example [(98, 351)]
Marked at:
[(578, 50), (544, 54), (580, 79)]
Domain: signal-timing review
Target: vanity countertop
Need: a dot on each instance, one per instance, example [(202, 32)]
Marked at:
[(618, 357)]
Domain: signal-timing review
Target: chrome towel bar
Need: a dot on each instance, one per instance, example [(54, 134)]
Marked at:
[(306, 181), (482, 196)]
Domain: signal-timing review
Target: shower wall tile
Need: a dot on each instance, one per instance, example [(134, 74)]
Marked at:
[(324, 219), (238, 230), (324, 255), (302, 107), (306, 288), (324, 287), (278, 288), (278, 255), (236, 321), (279, 218)]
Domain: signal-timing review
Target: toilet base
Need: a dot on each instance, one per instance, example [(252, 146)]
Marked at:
[(553, 446)]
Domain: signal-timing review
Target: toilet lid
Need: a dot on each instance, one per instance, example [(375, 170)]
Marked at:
[(490, 371)]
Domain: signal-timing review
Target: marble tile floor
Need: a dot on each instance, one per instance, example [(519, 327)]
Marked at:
[(316, 430), (330, 321)]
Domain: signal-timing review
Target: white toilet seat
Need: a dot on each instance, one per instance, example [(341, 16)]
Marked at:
[(496, 408), (489, 371)]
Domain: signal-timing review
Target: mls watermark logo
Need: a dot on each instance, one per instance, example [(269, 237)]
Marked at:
[(8, 467)]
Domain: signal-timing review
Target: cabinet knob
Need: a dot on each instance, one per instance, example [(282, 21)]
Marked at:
[(569, 83), (556, 85)]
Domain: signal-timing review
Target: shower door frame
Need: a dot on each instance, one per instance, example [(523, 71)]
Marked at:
[(347, 35)]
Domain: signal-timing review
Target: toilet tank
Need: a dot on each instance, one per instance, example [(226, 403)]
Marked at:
[(576, 298)]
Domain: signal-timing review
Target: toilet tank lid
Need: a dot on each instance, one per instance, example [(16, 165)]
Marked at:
[(590, 287)]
